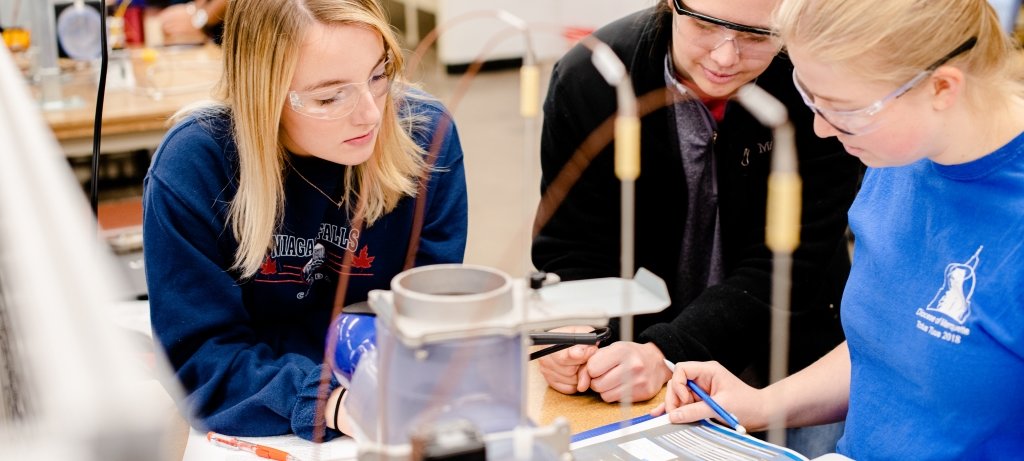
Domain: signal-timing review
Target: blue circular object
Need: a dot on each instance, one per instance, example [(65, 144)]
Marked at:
[(354, 335), (78, 30)]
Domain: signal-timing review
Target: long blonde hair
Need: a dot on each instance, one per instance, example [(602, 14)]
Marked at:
[(889, 41), (261, 39)]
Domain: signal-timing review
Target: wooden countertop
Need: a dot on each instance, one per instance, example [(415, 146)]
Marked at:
[(165, 80), (583, 411)]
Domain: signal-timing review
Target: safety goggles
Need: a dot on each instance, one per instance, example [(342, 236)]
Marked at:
[(710, 33), (340, 100), (862, 121)]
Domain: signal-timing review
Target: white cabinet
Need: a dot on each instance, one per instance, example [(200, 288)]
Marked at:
[(547, 20)]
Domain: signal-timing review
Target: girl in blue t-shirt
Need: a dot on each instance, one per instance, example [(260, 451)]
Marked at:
[(930, 95)]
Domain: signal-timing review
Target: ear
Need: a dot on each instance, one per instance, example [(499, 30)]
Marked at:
[(945, 85)]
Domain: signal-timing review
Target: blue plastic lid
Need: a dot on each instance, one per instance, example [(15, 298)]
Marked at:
[(78, 30)]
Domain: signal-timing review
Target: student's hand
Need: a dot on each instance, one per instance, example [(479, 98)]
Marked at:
[(562, 369), (735, 396), (643, 363), (177, 26)]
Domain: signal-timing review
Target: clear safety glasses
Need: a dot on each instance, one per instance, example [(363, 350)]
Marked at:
[(862, 121), (709, 33), (340, 100)]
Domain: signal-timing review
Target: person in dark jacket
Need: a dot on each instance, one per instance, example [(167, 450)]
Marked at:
[(253, 204), (700, 198)]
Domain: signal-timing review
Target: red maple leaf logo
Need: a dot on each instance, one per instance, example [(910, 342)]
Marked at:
[(269, 266), (362, 261)]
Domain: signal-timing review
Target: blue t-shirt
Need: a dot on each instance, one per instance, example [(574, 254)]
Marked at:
[(934, 311), (249, 352)]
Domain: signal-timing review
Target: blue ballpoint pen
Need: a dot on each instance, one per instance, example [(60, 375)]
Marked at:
[(725, 415)]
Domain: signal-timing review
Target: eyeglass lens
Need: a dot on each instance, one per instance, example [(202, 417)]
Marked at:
[(341, 100), (845, 125), (712, 36)]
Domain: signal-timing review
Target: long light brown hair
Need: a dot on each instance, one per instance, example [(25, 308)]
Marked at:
[(261, 39)]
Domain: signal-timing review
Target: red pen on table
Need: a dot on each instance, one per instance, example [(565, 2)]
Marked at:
[(262, 451)]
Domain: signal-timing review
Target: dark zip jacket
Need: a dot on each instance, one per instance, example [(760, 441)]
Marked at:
[(728, 322)]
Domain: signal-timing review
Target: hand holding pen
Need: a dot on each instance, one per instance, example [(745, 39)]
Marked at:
[(725, 415), (262, 451), (684, 396)]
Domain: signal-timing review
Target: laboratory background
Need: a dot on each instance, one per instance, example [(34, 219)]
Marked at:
[(79, 376)]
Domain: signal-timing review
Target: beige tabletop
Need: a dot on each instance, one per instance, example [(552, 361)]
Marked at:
[(583, 411), (135, 116)]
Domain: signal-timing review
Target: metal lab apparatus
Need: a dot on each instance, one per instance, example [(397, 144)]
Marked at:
[(450, 353)]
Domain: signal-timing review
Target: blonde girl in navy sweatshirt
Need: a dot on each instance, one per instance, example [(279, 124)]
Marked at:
[(249, 205)]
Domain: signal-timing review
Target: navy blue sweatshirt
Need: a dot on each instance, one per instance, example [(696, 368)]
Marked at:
[(249, 352)]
